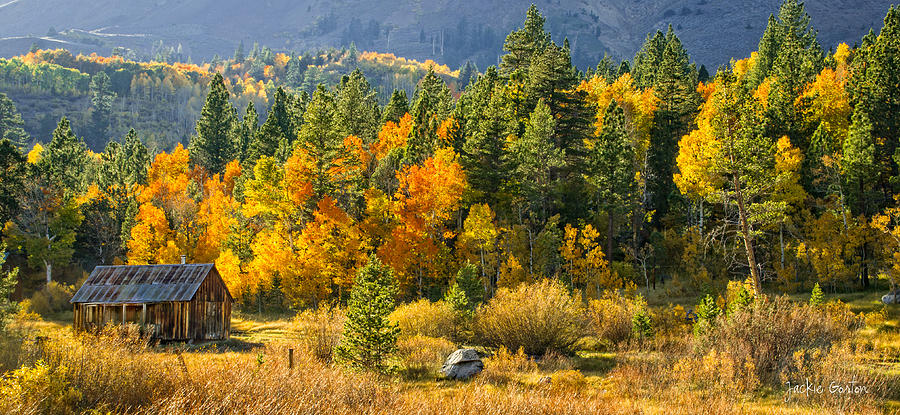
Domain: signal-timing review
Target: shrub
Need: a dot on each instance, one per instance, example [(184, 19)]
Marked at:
[(425, 318), (611, 316), (569, 381), (768, 333), (52, 299), (38, 389), (321, 330), (423, 356), (505, 366), (534, 317)]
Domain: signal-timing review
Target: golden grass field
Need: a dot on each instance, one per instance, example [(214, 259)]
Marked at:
[(112, 373)]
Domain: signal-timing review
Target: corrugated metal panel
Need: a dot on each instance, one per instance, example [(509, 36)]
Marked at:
[(135, 284)]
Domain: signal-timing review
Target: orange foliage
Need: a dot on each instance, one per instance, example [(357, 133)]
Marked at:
[(392, 135)]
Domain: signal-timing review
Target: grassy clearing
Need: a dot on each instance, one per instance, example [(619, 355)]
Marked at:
[(249, 374)]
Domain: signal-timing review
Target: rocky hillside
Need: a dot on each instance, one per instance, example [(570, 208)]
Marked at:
[(448, 31)]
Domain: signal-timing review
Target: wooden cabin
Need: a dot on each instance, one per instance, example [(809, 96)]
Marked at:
[(172, 301)]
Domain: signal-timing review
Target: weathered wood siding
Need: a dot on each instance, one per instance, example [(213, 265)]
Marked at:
[(206, 317)]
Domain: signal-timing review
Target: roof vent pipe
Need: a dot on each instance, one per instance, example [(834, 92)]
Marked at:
[(183, 259)]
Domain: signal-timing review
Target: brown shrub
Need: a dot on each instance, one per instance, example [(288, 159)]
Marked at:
[(534, 317), (422, 356), (320, 330), (426, 318), (767, 333)]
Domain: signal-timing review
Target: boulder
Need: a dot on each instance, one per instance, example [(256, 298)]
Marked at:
[(462, 364), (891, 298)]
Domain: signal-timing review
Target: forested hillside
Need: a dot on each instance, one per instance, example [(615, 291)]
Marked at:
[(107, 96), (780, 168), (447, 31)]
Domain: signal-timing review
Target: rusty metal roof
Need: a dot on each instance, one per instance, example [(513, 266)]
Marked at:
[(136, 284)]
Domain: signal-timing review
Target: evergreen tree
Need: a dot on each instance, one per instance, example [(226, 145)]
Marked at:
[(370, 338), (102, 98), (432, 105), (8, 281), (470, 283), (647, 60), (536, 159), (467, 73), (818, 297), (486, 119), (11, 123), (124, 164), (214, 147), (12, 169), (396, 108), (858, 161), (324, 145), (246, 133), (65, 159), (674, 84), (239, 53), (279, 130), (611, 171), (357, 108), (765, 55), (525, 43)]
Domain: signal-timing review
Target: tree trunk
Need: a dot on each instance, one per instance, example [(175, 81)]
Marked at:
[(748, 238), (609, 236), (48, 267)]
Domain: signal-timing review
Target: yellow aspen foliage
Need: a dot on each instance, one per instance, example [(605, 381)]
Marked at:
[(639, 106), (392, 135), (149, 236), (697, 152), (888, 223), (34, 155), (586, 263), (229, 266), (788, 160), (826, 101), (511, 273)]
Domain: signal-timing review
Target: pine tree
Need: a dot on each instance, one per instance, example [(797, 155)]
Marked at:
[(12, 169), (486, 119), (239, 53), (214, 146), (858, 161), (279, 130), (765, 55), (674, 84), (102, 98), (536, 159), (818, 297), (12, 127), (357, 108), (8, 280), (611, 171), (470, 283), (467, 73), (525, 43), (247, 131), (324, 145), (370, 338), (432, 105), (396, 108), (647, 60), (65, 159)]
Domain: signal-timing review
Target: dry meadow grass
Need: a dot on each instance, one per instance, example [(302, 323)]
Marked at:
[(672, 373)]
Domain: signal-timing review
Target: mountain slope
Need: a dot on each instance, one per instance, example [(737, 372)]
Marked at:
[(448, 31)]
